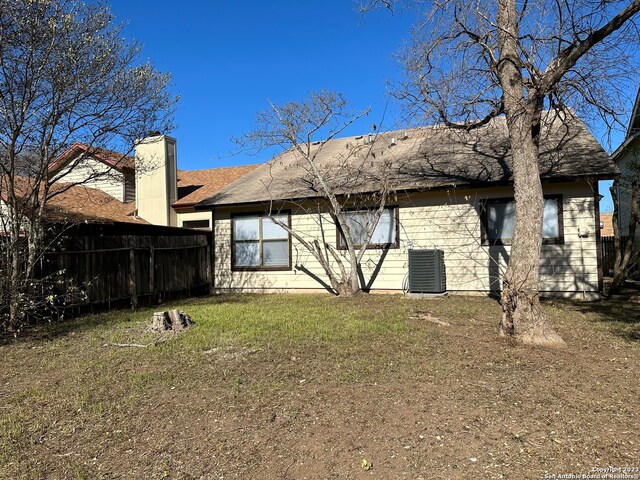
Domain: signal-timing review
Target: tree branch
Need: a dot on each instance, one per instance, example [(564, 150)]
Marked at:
[(568, 57)]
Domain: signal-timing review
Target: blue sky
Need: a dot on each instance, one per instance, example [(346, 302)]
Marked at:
[(229, 58)]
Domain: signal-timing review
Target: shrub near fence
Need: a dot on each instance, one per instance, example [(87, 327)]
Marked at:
[(97, 265)]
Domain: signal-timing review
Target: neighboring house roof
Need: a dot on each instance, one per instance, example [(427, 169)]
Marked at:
[(111, 158), (78, 203), (84, 204), (615, 156), (197, 185), (634, 121), (633, 130), (425, 158), (81, 203), (607, 224)]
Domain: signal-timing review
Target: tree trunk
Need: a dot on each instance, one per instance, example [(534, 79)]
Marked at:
[(354, 281), (15, 287), (173, 320), (348, 287), (522, 316)]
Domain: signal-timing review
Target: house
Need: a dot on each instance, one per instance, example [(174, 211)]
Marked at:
[(104, 185), (119, 216), (98, 168), (451, 190), (606, 224), (627, 158), (72, 203)]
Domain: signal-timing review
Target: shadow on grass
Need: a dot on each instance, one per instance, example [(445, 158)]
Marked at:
[(621, 315), (87, 321)]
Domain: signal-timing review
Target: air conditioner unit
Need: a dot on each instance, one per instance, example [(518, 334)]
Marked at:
[(427, 271)]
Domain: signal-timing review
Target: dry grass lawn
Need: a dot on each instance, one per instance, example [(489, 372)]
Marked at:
[(308, 386)]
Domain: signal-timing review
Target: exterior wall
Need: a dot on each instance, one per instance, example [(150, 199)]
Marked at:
[(130, 187), (156, 185), (193, 215), (5, 221), (5, 224), (101, 177), (446, 220), (629, 164)]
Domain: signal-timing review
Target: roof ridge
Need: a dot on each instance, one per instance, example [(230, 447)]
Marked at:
[(99, 153), (435, 126)]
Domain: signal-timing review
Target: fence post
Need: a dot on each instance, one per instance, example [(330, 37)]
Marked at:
[(152, 273), (132, 278), (208, 266), (89, 274)]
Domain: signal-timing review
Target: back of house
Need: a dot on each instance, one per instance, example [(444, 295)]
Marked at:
[(451, 191)]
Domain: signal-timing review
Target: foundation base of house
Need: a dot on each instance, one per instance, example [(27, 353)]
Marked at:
[(570, 295), (426, 295)]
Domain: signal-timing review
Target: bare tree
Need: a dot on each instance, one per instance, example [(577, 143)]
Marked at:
[(472, 61), (66, 75), (304, 129)]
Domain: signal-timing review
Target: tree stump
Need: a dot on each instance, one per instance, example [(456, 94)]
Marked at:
[(173, 320)]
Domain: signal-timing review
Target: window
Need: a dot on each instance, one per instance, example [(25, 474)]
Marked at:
[(499, 221), (259, 243), (202, 224), (385, 234)]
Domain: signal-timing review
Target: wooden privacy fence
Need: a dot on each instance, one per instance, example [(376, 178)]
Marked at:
[(98, 269), (607, 245)]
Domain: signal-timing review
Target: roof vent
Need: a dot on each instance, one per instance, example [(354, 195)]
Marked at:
[(393, 141), (404, 135), (370, 138)]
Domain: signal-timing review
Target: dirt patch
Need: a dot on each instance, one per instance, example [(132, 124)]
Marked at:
[(412, 399)]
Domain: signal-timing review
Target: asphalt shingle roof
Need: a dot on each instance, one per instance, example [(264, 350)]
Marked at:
[(197, 185), (421, 159), (78, 203), (109, 157)]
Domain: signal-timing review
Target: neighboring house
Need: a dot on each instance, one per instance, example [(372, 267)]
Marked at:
[(106, 170), (70, 204), (166, 195), (145, 188), (606, 224), (627, 158), (81, 204), (452, 190)]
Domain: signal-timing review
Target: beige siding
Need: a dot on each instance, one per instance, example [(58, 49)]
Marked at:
[(448, 221), (95, 174), (5, 223), (156, 187), (193, 215)]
